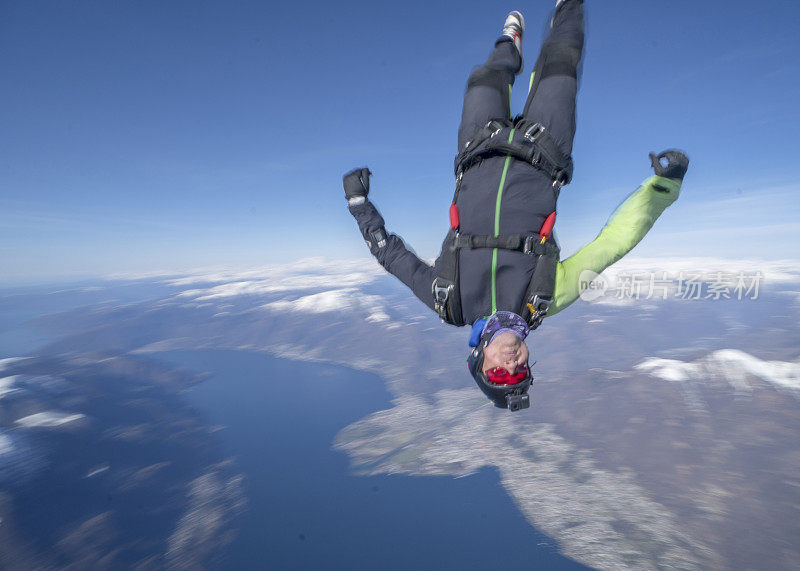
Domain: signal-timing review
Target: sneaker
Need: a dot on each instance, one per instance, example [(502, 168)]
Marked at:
[(514, 28)]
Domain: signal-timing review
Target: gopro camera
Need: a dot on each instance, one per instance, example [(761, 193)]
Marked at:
[(518, 402)]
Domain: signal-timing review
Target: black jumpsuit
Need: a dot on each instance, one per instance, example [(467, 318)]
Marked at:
[(499, 195)]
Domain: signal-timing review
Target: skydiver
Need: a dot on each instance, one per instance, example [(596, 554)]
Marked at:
[(499, 269)]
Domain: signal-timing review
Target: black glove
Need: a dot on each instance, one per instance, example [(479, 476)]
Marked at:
[(677, 164), (356, 183)]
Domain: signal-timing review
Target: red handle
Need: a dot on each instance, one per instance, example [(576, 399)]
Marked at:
[(454, 220), (547, 227)]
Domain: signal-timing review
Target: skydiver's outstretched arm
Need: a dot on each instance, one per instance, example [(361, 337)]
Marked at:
[(629, 223), (389, 249)]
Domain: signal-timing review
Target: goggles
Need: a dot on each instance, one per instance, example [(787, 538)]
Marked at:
[(499, 376)]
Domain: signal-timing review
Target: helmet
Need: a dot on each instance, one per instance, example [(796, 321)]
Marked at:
[(513, 397)]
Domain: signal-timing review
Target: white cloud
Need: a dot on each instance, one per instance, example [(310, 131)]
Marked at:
[(634, 280), (307, 274), (773, 271), (319, 275), (220, 274), (48, 419), (6, 444), (4, 363), (304, 266), (7, 385), (278, 284), (98, 470)]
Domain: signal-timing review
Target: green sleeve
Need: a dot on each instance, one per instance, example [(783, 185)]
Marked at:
[(626, 227)]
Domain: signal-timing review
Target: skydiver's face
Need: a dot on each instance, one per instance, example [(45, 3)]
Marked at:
[(506, 351)]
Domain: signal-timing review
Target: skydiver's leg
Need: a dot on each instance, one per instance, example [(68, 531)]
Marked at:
[(488, 90), (551, 100)]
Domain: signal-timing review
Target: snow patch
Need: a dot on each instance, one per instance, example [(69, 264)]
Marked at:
[(668, 369), (332, 301), (324, 302), (782, 373), (730, 365)]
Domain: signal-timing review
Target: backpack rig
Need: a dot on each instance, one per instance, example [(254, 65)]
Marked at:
[(530, 143)]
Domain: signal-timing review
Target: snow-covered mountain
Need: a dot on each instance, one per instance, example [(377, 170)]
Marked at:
[(736, 368)]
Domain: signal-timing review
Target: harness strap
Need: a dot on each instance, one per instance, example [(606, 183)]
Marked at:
[(446, 293), (489, 130), (525, 243), (548, 156), (538, 295), (535, 147)]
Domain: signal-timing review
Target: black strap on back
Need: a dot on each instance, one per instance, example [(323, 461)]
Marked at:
[(530, 143), (527, 244), (445, 287), (539, 295), (446, 293)]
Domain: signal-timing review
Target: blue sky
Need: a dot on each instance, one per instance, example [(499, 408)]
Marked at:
[(169, 135)]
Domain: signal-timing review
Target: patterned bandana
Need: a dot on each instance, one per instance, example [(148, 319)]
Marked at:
[(503, 321)]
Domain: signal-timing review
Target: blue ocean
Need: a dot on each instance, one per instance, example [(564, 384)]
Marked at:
[(305, 508)]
